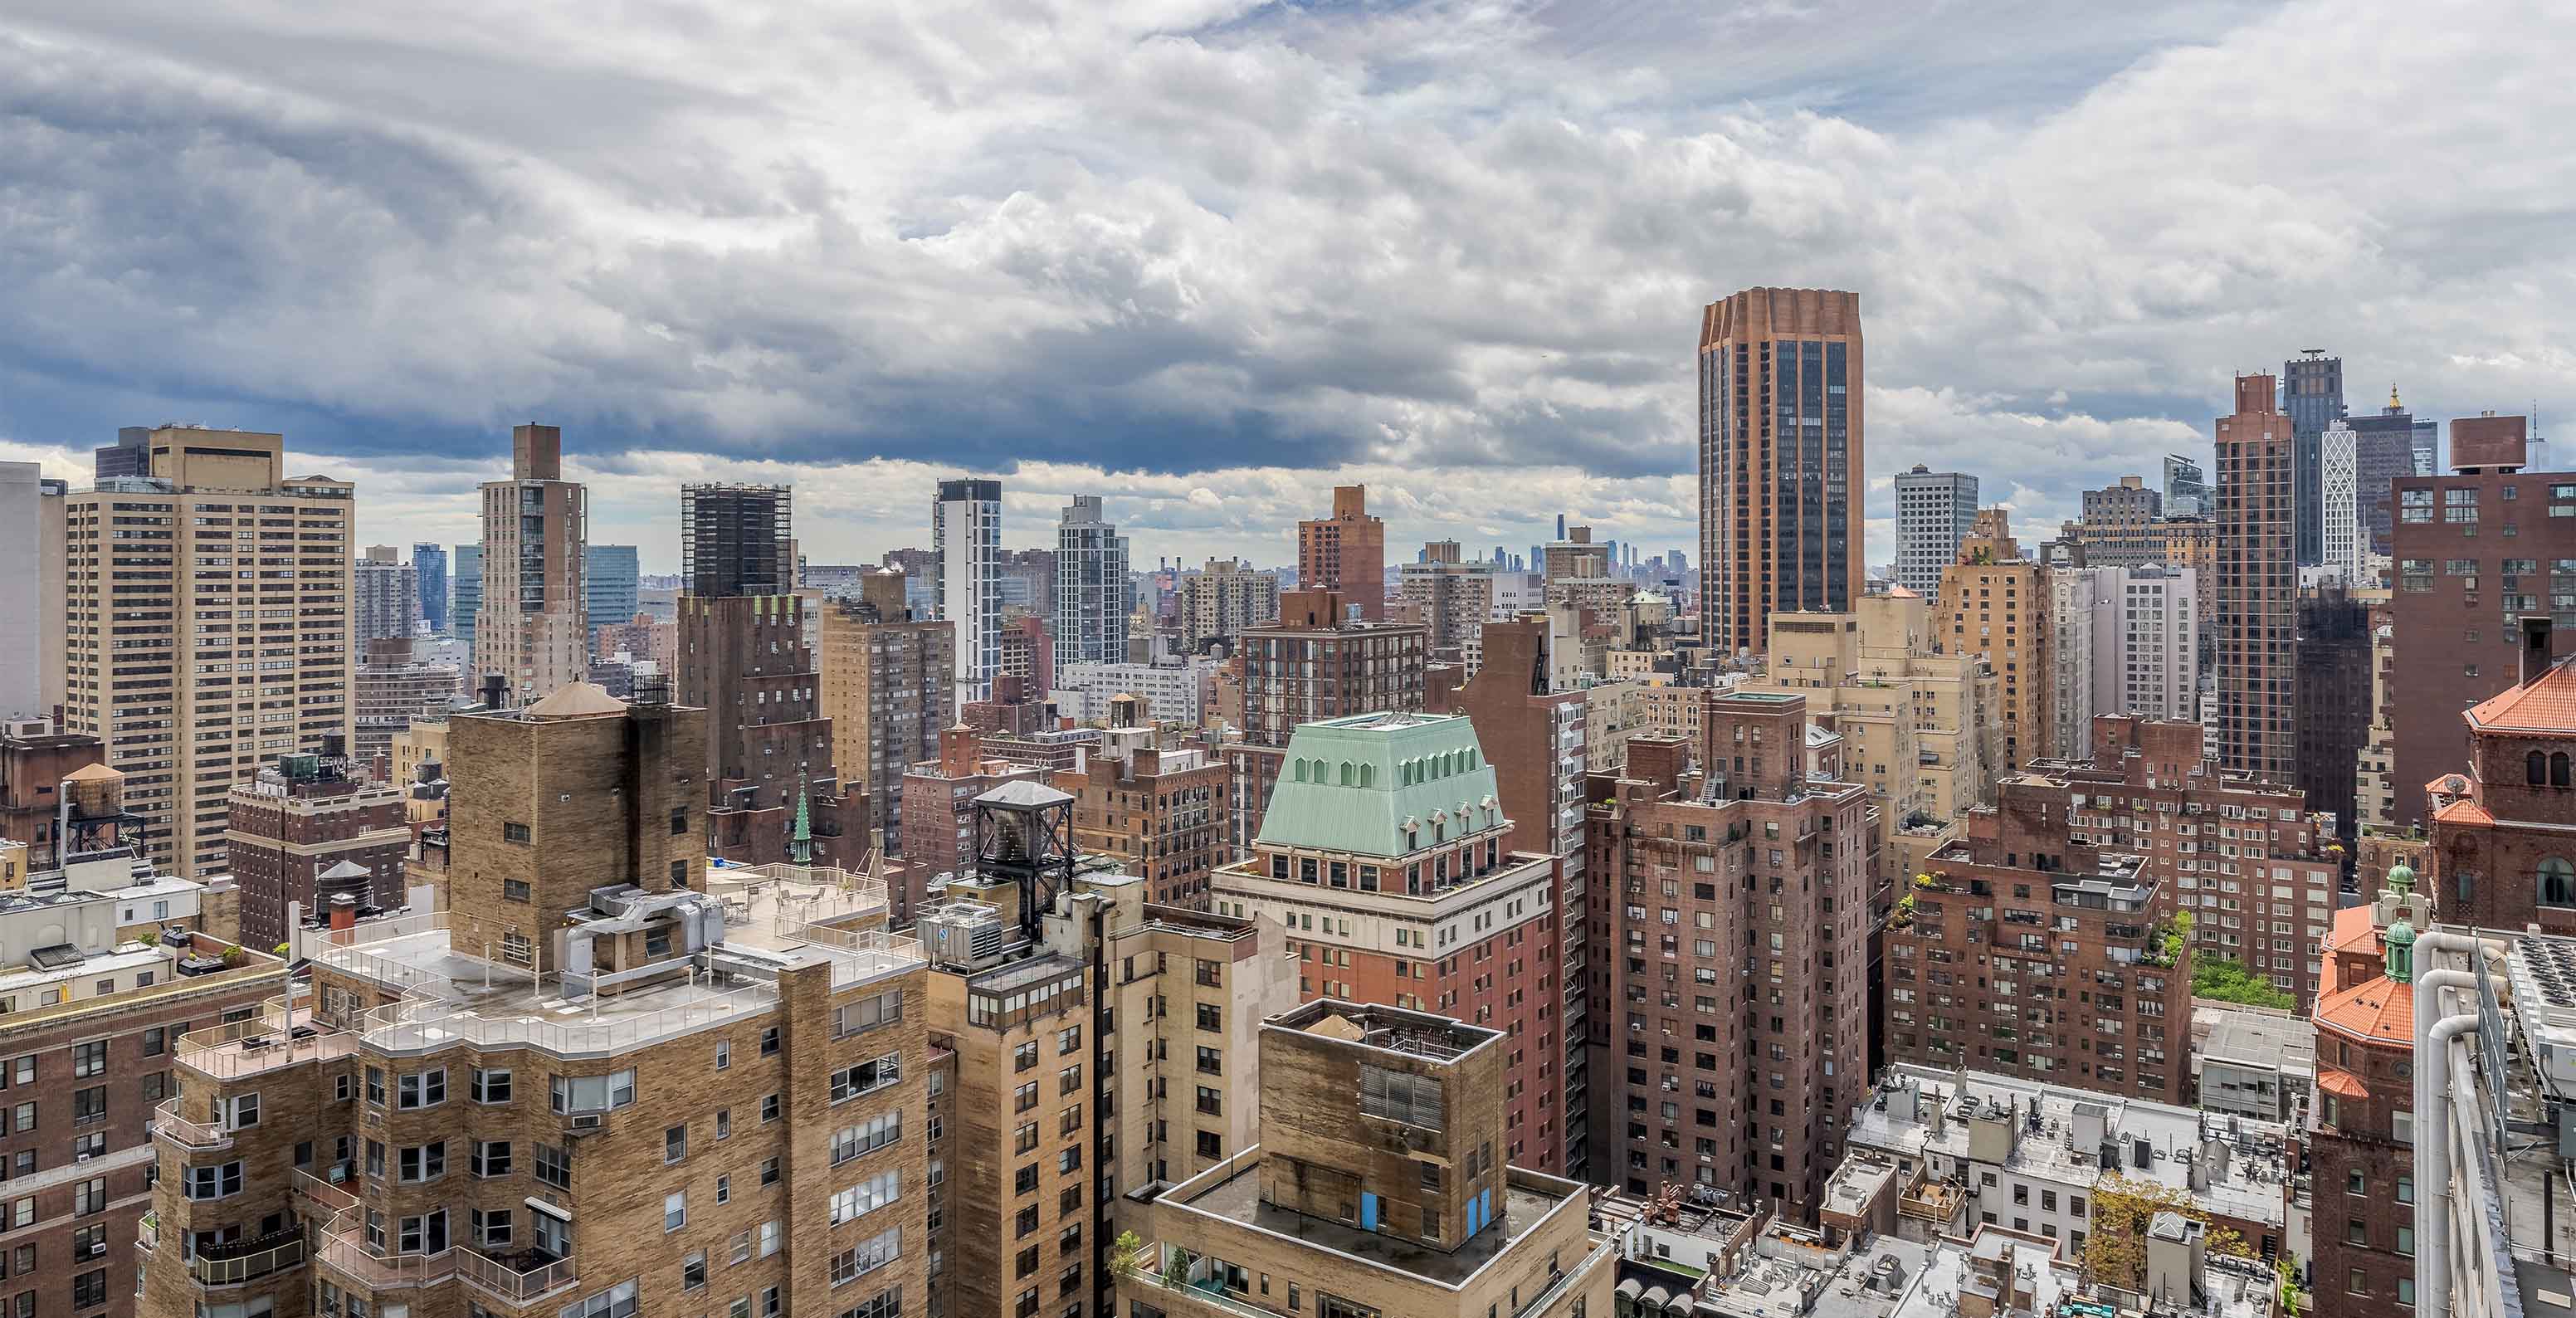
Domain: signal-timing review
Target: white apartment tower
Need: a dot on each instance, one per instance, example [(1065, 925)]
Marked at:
[(2073, 607), (966, 539), (2144, 662), (1091, 592), (532, 627), (2339, 473), (207, 613), (1934, 510)]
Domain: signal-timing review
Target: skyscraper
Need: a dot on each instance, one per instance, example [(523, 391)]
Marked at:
[(2387, 445), (429, 575), (387, 598), (2339, 515), (1934, 510), (1346, 553), (530, 629), (1780, 457), (1091, 591), (34, 654), (2186, 487), (465, 604), (249, 667), (736, 539), (2119, 526), (966, 542), (2312, 397), (610, 586), (2257, 585)]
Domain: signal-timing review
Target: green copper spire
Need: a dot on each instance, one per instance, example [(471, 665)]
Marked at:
[(800, 836), (2401, 950), (2401, 878)]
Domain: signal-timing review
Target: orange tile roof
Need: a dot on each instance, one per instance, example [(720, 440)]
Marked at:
[(2546, 704), (2466, 813), (2343, 1084), (2376, 1010), (2351, 926)]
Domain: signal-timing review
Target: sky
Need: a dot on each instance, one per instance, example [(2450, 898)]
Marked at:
[(1208, 258)]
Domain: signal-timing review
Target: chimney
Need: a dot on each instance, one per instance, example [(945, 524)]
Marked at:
[(2535, 648), (344, 912)]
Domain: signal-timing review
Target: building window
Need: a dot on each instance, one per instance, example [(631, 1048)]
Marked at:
[(423, 1088), (2557, 881)]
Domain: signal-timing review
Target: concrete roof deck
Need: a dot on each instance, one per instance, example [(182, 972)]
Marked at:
[(1235, 1195)]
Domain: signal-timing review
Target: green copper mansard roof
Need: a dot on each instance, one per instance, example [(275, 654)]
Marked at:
[(1352, 784)]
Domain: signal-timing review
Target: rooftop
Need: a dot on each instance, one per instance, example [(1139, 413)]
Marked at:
[(1386, 784), (1789, 1273), (1232, 1190), (2249, 1037), (2238, 1159)]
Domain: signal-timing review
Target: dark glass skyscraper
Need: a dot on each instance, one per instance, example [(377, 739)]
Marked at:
[(429, 569), (1779, 460), (2312, 397), (2387, 445)]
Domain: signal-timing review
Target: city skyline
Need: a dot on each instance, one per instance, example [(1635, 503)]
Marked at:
[(1135, 328)]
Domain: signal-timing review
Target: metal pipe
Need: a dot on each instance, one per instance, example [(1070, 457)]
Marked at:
[(2433, 1117)]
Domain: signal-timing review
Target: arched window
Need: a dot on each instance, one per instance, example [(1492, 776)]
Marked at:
[(1346, 773), (1301, 771), (2557, 882), (2534, 767), (2558, 769), (1368, 775)]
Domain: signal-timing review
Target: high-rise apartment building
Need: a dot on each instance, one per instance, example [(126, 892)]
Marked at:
[(1996, 603), (966, 545), (2312, 398), (2478, 552), (190, 673), (1159, 811), (2076, 612), (306, 828), (429, 577), (885, 686), (2342, 545), (773, 793), (530, 626), (1737, 906), (2387, 445), (611, 585), (1092, 596), (725, 1104), (2050, 918), (2119, 523), (1934, 511), (393, 688), (1312, 664), (1346, 553), (388, 598), (1780, 460), (2333, 690), (1399, 1115), (2257, 586), (465, 604), (2146, 649), (2186, 487), (1453, 600), (1388, 833), (1223, 600), (31, 548)]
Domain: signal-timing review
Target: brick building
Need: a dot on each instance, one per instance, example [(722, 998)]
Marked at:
[(1309, 665), (885, 679), (1996, 604), (2360, 1127), (1383, 851), (2500, 851), (1223, 600), (938, 808), (1156, 810), (2476, 551), (296, 824), (773, 791), (1735, 961), (1986, 944), (2257, 586), (2118, 527), (1345, 554), (33, 764), (720, 1112)]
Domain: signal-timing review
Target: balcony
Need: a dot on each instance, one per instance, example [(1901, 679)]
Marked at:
[(545, 1275), (239, 1263), (193, 1136), (344, 1249)]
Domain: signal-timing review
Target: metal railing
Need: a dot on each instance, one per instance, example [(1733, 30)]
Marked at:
[(1583, 1268), (345, 1250), (491, 1274), (331, 1200), (420, 1025), (212, 1271), (279, 1035), (195, 1136)]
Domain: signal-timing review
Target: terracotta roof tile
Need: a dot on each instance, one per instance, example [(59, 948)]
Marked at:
[(2547, 704), (2463, 812), (2342, 1084), (2378, 1010)]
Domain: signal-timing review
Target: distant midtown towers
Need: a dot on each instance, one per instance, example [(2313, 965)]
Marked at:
[(1780, 459), (2257, 585), (1934, 510), (530, 629), (966, 546), (2312, 397)]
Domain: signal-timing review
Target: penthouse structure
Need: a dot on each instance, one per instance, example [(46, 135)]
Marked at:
[(1378, 1187), (1383, 855), (584, 1084), (306, 828), (1308, 666), (1733, 1000), (1980, 950)]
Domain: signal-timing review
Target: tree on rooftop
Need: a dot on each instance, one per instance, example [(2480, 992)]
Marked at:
[(2223, 980), (2116, 1250)]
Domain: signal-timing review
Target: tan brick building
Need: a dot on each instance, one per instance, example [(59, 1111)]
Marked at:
[(532, 627), (1995, 603), (1156, 810), (887, 682)]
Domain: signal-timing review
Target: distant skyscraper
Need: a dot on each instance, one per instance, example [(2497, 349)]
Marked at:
[(2312, 397), (2342, 545), (1934, 510), (387, 592), (429, 572), (530, 629), (1560, 526), (2257, 586), (610, 585), (464, 603), (1780, 460), (1346, 552), (2186, 487), (966, 542), (130, 455), (2386, 446), (1091, 591), (737, 540)]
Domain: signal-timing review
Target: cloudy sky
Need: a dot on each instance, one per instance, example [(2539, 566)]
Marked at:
[(1207, 257)]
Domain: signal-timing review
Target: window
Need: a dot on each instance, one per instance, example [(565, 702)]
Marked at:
[(1211, 1145), (375, 1086), (768, 1108), (89, 1059), (868, 1013), (675, 1144), (2557, 881), (867, 1256), (675, 1211), (724, 1054), (514, 832), (867, 1137), (424, 1162), (492, 1226), (491, 1158), (554, 1166), (769, 1239), (491, 1086), (423, 1088), (617, 1301), (866, 1077), (593, 1093), (769, 1042), (693, 1271), (886, 1304), (213, 1182), (866, 1197)]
